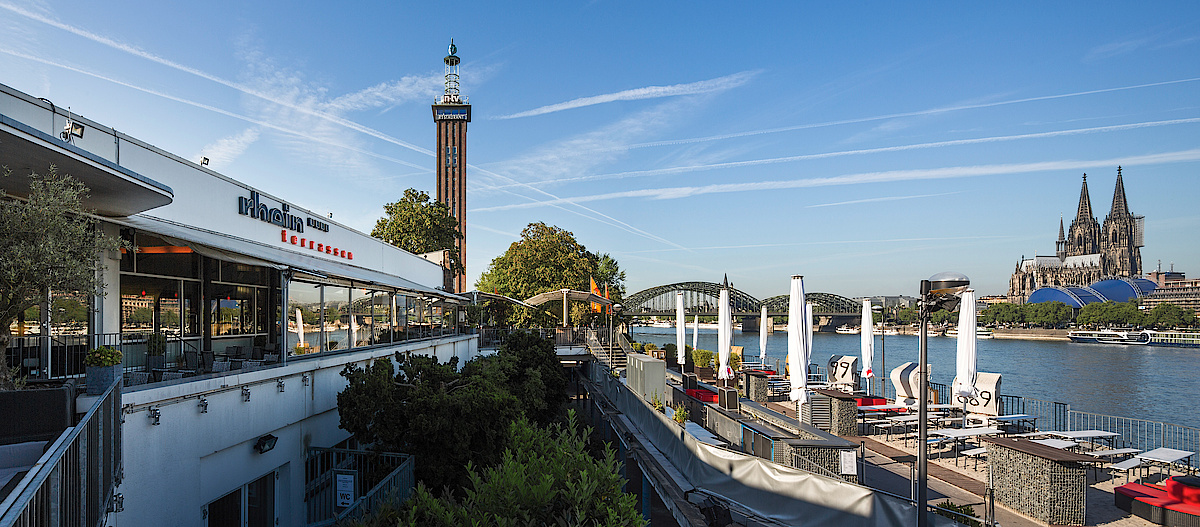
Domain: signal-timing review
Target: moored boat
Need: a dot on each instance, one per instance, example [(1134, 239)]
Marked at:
[(847, 330), (980, 333), (1179, 339)]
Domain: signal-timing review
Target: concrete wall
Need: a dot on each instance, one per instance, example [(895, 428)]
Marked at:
[(175, 468)]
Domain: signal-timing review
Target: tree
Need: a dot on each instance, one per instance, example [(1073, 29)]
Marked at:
[(546, 477), (1011, 314), (1047, 314), (1109, 314), (1167, 315), (47, 243), (419, 225), (548, 258)]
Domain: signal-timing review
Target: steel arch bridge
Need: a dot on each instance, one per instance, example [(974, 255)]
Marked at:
[(701, 298)]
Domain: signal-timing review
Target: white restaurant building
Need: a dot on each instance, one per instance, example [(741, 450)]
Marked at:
[(228, 274)]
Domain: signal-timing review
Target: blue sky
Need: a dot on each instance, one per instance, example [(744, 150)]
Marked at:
[(865, 145)]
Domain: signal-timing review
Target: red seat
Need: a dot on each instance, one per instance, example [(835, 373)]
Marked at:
[(1181, 492), (704, 395)]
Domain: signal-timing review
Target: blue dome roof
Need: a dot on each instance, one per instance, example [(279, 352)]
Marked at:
[(1075, 297), (1124, 289)]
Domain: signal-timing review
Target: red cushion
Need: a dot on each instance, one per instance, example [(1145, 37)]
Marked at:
[(1137, 490), (1182, 492), (1186, 508), (1157, 502)]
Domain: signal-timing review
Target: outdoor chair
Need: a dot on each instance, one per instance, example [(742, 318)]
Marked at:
[(247, 364), (221, 365), (233, 352), (270, 358), (172, 375), (206, 360), (137, 377), (191, 360), (256, 353)]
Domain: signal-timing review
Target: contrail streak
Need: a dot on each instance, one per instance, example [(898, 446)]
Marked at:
[(649, 92), (873, 177), (864, 151)]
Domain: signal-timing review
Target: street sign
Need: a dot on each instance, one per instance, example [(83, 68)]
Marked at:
[(344, 487)]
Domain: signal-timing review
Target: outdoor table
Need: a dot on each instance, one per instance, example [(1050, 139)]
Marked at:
[(1113, 452), (884, 407), (1087, 434), (1055, 443), (958, 434), (1030, 420), (1166, 456)]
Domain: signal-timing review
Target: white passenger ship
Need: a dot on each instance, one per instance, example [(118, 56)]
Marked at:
[(1180, 339)]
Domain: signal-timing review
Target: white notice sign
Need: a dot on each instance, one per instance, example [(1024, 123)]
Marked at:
[(344, 487), (849, 462)]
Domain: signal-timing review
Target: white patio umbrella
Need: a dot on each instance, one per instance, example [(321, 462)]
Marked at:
[(695, 329), (724, 333), (966, 370), (680, 328), (353, 330), (300, 328), (762, 337), (868, 341), (798, 351)]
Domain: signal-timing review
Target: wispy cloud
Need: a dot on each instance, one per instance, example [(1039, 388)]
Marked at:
[(649, 92), (868, 241), (223, 151), (865, 151), (870, 177), (408, 88), (1115, 49), (930, 111), (485, 228), (877, 200)]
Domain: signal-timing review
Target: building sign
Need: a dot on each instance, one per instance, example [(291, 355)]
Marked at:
[(253, 207), (344, 487), (449, 113)]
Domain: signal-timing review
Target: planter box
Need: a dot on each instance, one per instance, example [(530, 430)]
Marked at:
[(155, 361), (99, 378), (39, 413)]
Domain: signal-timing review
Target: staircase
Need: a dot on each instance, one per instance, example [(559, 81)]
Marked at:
[(613, 353)]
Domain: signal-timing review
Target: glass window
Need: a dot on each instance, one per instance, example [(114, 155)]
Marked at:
[(261, 310), (156, 256), (227, 510), (150, 304), (191, 309), (359, 318), (382, 318), (337, 317), (260, 502), (304, 301), (243, 274), (231, 310), (69, 314)]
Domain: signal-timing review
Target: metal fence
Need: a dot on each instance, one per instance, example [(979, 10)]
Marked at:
[(379, 477), (73, 483), (1140, 433)]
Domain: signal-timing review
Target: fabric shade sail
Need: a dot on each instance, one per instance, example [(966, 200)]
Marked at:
[(762, 337)]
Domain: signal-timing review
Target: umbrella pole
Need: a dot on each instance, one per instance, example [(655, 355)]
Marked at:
[(923, 412)]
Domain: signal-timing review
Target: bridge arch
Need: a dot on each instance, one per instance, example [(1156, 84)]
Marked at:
[(698, 297), (823, 303)]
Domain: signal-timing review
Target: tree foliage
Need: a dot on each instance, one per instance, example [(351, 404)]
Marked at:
[(47, 242), (1109, 314), (418, 225), (1167, 315), (1042, 314), (548, 258)]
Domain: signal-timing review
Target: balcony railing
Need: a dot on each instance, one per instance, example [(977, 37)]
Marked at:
[(74, 482)]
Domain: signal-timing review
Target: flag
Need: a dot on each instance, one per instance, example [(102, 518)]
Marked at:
[(595, 291), (608, 307)]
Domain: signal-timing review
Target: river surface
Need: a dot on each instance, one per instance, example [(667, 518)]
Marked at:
[(1145, 382)]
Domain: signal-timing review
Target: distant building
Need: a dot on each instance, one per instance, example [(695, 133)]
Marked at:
[(452, 113), (1174, 288), (1088, 252)]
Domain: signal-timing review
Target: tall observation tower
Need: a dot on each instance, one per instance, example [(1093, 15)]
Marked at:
[(452, 113)]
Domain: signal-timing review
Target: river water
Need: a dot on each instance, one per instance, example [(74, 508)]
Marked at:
[(1144, 382)]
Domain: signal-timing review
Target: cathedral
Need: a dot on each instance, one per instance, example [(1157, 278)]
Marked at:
[(1088, 251)]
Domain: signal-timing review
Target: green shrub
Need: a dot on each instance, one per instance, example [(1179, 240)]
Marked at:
[(681, 413), (669, 349), (966, 510), (102, 356), (702, 358)]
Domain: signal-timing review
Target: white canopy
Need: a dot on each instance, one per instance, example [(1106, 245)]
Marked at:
[(762, 337), (680, 328), (724, 335), (867, 336)]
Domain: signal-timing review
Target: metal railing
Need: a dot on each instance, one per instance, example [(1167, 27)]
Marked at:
[(381, 476), (74, 482), (1140, 433)]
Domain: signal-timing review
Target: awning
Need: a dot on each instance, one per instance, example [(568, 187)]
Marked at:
[(231, 248), (569, 294), (476, 295), (113, 190)]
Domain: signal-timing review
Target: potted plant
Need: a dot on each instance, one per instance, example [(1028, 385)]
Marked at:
[(103, 367), (680, 415), (156, 351)]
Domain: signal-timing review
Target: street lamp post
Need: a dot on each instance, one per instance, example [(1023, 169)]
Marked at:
[(940, 291)]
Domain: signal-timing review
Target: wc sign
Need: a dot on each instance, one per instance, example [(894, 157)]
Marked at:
[(344, 487)]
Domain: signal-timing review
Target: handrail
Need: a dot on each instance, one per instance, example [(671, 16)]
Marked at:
[(51, 492)]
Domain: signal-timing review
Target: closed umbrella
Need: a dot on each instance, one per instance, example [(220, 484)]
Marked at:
[(695, 330), (966, 371), (724, 333), (762, 337), (798, 352), (868, 341), (299, 328), (680, 328)]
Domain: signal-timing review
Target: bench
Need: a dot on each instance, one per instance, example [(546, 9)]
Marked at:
[(1160, 505), (1126, 466), (975, 454)]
